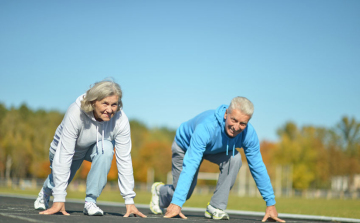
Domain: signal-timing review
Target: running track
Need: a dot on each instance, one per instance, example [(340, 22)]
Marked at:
[(19, 209)]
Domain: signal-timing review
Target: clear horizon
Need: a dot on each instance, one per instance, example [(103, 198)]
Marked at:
[(295, 60)]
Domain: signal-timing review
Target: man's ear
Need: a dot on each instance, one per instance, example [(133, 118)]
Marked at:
[(225, 114)]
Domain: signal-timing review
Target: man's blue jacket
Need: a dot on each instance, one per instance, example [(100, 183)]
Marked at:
[(205, 134)]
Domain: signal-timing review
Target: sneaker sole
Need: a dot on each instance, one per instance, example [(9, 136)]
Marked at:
[(95, 214), (153, 187), (153, 211), (207, 215), (210, 216), (153, 191), (40, 209)]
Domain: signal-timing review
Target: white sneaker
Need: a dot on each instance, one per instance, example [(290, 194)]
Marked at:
[(155, 199), (42, 201), (215, 213), (92, 209)]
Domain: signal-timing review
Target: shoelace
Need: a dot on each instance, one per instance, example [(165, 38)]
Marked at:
[(90, 205)]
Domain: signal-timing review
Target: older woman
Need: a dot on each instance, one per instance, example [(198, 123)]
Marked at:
[(91, 127)]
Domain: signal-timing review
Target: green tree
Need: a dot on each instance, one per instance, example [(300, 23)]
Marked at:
[(297, 150), (25, 141), (349, 131)]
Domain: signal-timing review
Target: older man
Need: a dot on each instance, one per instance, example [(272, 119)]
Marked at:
[(213, 135)]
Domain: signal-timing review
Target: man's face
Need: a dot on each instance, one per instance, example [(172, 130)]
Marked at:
[(235, 122), (105, 109)]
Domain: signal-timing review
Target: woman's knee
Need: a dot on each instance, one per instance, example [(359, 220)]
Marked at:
[(107, 150)]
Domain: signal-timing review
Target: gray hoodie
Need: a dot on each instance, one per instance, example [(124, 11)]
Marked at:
[(76, 133)]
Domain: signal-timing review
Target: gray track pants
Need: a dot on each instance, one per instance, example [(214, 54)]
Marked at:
[(229, 167)]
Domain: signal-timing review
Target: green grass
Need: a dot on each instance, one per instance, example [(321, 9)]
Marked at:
[(322, 207)]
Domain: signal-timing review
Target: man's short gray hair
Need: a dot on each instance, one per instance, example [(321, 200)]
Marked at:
[(99, 91), (242, 104)]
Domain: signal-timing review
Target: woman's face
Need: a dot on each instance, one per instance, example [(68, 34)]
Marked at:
[(105, 109)]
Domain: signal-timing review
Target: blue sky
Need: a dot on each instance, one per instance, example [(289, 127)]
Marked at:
[(296, 60)]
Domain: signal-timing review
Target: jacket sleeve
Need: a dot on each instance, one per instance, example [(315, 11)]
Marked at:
[(192, 160), (64, 154), (257, 167), (123, 160)]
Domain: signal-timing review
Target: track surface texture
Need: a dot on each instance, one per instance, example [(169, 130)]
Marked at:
[(20, 209)]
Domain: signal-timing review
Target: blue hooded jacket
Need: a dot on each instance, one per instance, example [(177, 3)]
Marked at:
[(205, 134)]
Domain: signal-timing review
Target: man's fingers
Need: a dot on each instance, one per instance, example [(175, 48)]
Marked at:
[(127, 214), (265, 218), (173, 210), (270, 218), (182, 216), (169, 215)]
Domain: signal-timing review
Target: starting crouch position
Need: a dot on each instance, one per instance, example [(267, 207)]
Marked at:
[(213, 135)]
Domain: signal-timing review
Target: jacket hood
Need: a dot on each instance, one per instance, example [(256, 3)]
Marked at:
[(90, 115), (219, 114)]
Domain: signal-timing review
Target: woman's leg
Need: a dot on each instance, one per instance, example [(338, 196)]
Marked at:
[(49, 182), (100, 159)]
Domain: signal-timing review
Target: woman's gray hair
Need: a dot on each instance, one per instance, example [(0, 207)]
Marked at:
[(99, 91), (242, 104)]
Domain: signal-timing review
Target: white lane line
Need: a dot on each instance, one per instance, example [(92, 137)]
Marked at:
[(23, 218)]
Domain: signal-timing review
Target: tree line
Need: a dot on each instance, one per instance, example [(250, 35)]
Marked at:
[(315, 153)]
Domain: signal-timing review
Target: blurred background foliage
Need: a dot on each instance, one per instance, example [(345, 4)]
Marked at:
[(315, 153)]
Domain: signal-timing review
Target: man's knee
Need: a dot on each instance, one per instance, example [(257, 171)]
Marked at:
[(236, 160)]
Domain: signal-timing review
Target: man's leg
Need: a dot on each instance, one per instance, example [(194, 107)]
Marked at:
[(167, 191), (229, 167), (100, 159)]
